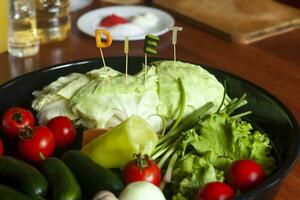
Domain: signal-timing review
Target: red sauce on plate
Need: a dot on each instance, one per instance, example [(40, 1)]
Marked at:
[(112, 20)]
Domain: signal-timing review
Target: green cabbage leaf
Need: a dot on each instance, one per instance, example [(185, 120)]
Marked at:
[(100, 99)]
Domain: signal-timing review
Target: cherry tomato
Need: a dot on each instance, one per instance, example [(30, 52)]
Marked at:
[(16, 119), (63, 130), (245, 174), (1, 147), (36, 143), (215, 191), (141, 169)]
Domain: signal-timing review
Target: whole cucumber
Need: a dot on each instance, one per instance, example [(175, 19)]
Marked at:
[(91, 176), (8, 193), (23, 176), (63, 183)]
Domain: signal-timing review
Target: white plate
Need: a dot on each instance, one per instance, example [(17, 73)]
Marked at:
[(78, 4), (88, 22)]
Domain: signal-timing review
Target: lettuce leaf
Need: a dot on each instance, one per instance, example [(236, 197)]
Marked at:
[(192, 172), (230, 138), (211, 147)]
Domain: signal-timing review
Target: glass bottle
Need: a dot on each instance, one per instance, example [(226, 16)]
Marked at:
[(53, 20), (22, 32), (3, 25)]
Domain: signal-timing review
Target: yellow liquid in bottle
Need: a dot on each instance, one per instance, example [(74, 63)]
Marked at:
[(53, 19), (3, 25), (23, 37)]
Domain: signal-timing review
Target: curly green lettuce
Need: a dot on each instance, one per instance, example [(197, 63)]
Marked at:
[(212, 147)]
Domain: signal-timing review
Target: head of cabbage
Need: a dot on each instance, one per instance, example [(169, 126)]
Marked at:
[(94, 102)]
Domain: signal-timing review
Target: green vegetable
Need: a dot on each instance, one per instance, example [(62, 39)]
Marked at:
[(202, 146), (191, 172), (150, 43), (23, 176), (63, 183), (92, 102), (53, 99), (115, 148), (8, 193), (231, 139), (218, 142), (91, 176)]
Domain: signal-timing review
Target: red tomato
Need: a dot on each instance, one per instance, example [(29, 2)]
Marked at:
[(245, 174), (1, 147), (215, 191), (15, 120), (36, 143), (63, 130), (141, 169)]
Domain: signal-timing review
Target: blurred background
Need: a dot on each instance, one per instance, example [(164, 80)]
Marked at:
[(33, 24)]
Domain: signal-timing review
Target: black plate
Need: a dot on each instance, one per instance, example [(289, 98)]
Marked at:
[(271, 115)]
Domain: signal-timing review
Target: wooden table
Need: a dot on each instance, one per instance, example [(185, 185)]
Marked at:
[(273, 64)]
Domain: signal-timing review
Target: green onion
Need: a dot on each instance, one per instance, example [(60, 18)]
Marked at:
[(182, 104)]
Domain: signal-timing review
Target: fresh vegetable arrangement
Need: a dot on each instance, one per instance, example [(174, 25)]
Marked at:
[(202, 147), (168, 138)]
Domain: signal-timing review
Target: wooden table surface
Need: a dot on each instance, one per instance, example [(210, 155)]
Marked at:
[(273, 64)]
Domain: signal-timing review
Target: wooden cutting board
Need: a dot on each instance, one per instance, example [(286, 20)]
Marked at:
[(241, 21)]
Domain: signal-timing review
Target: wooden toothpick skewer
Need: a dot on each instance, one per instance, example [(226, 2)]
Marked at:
[(104, 64), (174, 30), (103, 60), (101, 45), (126, 51), (174, 51), (126, 70), (146, 68), (175, 64)]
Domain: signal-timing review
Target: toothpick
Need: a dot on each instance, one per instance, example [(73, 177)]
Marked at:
[(101, 45), (104, 64), (126, 51), (175, 30), (103, 60), (146, 68), (174, 52), (175, 64)]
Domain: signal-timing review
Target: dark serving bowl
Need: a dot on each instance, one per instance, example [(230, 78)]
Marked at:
[(268, 112)]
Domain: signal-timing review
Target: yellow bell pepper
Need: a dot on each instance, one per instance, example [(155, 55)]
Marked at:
[(116, 147)]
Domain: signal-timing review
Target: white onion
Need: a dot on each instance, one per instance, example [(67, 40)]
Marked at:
[(104, 195), (141, 190)]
